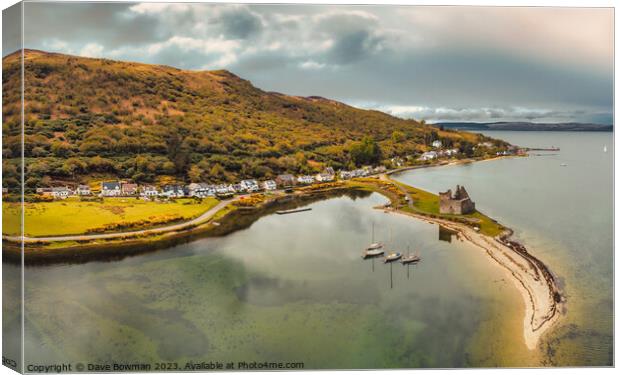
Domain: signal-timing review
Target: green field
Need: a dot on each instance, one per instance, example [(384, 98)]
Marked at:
[(72, 216), (428, 204)]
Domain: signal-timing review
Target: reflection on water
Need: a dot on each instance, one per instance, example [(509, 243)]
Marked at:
[(445, 234), (286, 288), (290, 288)]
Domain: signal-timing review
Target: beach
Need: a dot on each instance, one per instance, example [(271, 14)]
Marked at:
[(531, 277)]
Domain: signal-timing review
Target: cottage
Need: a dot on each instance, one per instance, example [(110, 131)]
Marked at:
[(61, 192), (173, 191), (458, 203), (148, 191), (285, 180), (345, 175), (128, 189), (324, 177), (200, 190), (250, 185), (83, 190), (223, 190), (46, 192), (110, 189), (359, 173), (452, 152), (397, 161), (305, 180), (380, 169), (436, 144), (270, 185), (330, 170), (429, 155)]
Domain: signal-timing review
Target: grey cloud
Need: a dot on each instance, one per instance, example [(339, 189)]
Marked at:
[(443, 114), (240, 23), (352, 54), (102, 23), (11, 29), (353, 47)]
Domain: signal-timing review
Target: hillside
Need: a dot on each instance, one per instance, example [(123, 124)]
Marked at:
[(89, 119), (526, 126)]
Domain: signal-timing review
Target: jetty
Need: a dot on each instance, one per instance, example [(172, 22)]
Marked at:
[(552, 148), (286, 212)]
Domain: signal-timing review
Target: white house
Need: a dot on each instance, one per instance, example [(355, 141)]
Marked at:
[(306, 180), (436, 144), (111, 189), (200, 190), (148, 191), (250, 185), (83, 190), (345, 175), (429, 155), (270, 185), (379, 169), (61, 192), (224, 189), (173, 191), (359, 173), (324, 177), (397, 161)]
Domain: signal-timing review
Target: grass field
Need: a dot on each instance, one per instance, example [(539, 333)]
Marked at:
[(426, 203), (72, 216)]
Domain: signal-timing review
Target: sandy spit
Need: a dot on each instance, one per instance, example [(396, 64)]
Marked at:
[(532, 278)]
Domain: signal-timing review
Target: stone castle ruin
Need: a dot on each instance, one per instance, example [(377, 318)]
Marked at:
[(458, 203)]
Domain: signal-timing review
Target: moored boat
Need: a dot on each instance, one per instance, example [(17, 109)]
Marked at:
[(410, 259), (392, 257), (370, 253)]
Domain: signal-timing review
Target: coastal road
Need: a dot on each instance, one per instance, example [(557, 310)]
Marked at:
[(385, 177), (170, 228)]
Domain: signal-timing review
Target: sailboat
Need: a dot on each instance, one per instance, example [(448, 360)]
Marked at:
[(393, 256), (605, 148), (414, 258), (375, 248)]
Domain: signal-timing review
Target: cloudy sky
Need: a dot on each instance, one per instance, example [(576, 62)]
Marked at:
[(436, 63)]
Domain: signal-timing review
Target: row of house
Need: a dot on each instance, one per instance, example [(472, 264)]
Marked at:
[(430, 155), (203, 190)]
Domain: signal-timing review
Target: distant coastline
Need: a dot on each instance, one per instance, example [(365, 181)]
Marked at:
[(526, 126)]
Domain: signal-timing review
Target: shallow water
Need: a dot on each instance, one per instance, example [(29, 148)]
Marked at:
[(293, 288), (564, 214), (290, 288)]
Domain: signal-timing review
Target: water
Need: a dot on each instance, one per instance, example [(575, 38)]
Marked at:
[(293, 288), (564, 214)]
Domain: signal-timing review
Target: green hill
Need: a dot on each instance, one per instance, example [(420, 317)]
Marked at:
[(88, 119)]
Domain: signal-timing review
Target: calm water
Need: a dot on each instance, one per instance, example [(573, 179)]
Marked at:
[(293, 288), (564, 214)]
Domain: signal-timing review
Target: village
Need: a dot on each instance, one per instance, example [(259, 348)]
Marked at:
[(123, 188)]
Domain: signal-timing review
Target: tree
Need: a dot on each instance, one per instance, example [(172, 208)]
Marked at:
[(365, 152), (61, 149), (195, 173), (398, 136)]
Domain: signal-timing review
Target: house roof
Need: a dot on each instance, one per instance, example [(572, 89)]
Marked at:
[(110, 185)]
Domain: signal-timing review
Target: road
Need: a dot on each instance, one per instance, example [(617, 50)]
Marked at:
[(170, 228)]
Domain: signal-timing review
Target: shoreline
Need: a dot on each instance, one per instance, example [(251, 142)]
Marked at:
[(530, 276)]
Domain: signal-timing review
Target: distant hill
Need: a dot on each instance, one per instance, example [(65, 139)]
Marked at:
[(525, 126), (89, 119)]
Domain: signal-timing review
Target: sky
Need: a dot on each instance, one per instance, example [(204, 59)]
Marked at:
[(487, 64)]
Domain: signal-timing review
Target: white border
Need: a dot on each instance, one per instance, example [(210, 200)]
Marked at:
[(566, 3)]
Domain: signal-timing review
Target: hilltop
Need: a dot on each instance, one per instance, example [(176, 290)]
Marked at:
[(88, 119)]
